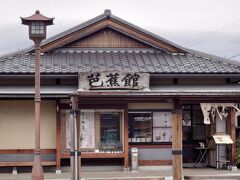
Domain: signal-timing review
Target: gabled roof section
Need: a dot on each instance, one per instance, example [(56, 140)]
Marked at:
[(107, 38), (107, 20)]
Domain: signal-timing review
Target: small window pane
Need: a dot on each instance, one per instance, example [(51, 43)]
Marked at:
[(33, 31), (140, 127)]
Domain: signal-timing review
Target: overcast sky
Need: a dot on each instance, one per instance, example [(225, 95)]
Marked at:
[(211, 26)]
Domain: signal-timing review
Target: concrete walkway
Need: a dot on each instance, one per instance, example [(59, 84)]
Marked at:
[(141, 175)]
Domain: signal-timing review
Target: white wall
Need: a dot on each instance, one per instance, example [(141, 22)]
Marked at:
[(17, 124)]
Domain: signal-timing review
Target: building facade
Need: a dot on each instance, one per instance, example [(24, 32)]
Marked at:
[(129, 87)]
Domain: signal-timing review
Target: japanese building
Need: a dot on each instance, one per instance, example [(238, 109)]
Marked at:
[(130, 87)]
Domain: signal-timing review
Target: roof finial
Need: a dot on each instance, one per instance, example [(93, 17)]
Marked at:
[(107, 12), (37, 12)]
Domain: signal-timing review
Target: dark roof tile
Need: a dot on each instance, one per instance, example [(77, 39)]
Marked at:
[(141, 61)]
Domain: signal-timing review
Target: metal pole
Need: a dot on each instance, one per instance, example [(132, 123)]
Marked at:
[(75, 175), (37, 171), (75, 145)]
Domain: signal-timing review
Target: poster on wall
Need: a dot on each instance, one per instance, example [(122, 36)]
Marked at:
[(162, 119), (87, 133), (65, 120), (68, 130), (162, 134)]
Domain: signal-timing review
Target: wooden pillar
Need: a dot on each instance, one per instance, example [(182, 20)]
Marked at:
[(126, 156), (58, 136), (232, 132), (177, 143)]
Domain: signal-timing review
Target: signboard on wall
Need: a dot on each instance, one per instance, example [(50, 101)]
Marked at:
[(113, 80), (87, 130)]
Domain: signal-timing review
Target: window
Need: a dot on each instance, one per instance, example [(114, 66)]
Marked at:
[(100, 130), (140, 126), (150, 126), (194, 128), (37, 27)]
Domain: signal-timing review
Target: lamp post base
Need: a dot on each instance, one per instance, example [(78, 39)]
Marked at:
[(37, 170)]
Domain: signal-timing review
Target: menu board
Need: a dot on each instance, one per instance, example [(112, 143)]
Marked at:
[(87, 133), (222, 139)]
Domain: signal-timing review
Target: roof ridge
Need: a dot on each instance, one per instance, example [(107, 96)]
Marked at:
[(107, 14)]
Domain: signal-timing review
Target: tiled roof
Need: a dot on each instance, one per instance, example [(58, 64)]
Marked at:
[(142, 60)]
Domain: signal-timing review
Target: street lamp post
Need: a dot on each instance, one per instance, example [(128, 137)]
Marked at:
[(37, 32)]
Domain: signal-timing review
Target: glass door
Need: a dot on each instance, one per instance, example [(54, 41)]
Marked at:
[(110, 131)]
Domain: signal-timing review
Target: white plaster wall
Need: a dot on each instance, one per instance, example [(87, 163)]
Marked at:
[(17, 124)]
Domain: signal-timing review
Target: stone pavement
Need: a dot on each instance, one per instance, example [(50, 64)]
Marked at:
[(140, 175)]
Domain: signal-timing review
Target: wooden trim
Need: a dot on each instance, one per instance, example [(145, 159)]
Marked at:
[(136, 34), (154, 162), (44, 163), (127, 30), (58, 136), (126, 158), (101, 106), (85, 155), (74, 36), (26, 151), (142, 146)]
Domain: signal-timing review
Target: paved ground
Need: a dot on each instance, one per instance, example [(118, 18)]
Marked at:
[(141, 175)]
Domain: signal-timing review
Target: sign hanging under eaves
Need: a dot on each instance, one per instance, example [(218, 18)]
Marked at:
[(113, 81)]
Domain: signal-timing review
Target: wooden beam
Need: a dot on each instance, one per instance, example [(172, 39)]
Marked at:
[(58, 136), (177, 142), (126, 158), (154, 162)]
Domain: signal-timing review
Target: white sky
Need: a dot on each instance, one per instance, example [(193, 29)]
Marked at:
[(215, 22)]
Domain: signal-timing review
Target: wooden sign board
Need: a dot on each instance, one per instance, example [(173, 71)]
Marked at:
[(222, 139), (113, 81)]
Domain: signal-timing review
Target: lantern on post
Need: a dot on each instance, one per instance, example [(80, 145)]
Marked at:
[(37, 24)]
